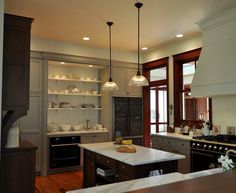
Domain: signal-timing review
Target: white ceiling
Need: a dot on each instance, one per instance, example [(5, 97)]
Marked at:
[(70, 20)]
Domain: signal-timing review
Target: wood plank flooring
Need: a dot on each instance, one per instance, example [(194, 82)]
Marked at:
[(59, 183)]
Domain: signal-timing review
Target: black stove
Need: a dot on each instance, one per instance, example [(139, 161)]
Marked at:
[(230, 139), (205, 150)]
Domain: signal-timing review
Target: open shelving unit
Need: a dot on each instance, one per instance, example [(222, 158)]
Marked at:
[(75, 85)]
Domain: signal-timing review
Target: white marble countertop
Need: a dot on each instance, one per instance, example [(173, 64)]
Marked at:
[(134, 184), (81, 132), (174, 135), (145, 182), (187, 137), (143, 155)]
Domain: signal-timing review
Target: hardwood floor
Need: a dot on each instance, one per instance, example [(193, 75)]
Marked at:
[(59, 183)]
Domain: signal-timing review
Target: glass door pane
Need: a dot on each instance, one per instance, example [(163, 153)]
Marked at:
[(158, 108)]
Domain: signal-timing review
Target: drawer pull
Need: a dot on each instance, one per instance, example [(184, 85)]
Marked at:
[(108, 161), (123, 167)]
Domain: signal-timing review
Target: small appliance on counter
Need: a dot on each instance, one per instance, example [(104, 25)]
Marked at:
[(13, 137)]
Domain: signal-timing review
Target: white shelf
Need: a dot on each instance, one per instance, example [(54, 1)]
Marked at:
[(73, 94), (65, 109), (75, 80)]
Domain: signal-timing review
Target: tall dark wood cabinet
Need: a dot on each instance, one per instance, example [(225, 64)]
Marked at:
[(18, 169), (17, 164), (128, 118), (16, 69)]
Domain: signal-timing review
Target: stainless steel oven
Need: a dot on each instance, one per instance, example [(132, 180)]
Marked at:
[(64, 152), (205, 154)]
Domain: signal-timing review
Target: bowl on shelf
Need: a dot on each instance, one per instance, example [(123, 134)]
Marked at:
[(52, 127), (77, 127), (65, 127), (94, 92)]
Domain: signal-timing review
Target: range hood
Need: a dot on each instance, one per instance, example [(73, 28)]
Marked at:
[(216, 71)]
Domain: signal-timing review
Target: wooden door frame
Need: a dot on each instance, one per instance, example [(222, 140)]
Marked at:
[(164, 62)]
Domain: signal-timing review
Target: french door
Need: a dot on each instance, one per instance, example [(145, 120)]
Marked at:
[(158, 108), (155, 98)]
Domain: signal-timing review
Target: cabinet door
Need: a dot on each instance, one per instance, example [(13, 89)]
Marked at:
[(93, 138), (16, 62), (119, 76), (30, 126), (36, 67), (132, 90)]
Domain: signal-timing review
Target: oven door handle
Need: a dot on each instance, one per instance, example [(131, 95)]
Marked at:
[(66, 144)]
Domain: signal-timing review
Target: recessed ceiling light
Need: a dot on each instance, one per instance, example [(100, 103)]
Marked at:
[(179, 35), (90, 66), (62, 62), (144, 48), (85, 38)]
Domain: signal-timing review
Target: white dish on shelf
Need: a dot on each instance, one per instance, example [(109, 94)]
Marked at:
[(77, 127), (95, 92), (52, 127), (65, 127)]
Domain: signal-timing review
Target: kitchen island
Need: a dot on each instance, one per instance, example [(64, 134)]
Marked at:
[(102, 158)]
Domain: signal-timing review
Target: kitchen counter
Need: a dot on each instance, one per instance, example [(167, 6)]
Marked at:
[(187, 137), (174, 135), (70, 133), (142, 156), (124, 166), (146, 182)]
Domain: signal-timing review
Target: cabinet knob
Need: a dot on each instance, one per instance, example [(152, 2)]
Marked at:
[(108, 161), (123, 167)]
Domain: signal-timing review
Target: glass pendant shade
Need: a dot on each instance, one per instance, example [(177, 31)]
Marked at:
[(138, 79), (110, 85)]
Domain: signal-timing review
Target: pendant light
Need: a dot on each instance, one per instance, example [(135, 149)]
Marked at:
[(138, 79), (110, 85)]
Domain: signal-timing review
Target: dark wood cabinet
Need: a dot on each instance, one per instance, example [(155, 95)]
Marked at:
[(120, 171), (18, 169), (16, 60), (89, 167)]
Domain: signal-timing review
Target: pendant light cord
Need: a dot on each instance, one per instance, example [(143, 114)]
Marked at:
[(138, 5), (110, 24)]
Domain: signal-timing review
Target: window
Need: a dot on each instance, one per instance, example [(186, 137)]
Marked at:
[(188, 110)]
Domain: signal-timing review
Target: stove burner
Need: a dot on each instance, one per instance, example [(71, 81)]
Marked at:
[(218, 138)]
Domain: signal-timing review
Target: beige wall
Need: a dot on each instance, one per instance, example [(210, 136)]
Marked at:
[(85, 51), (224, 111), (1, 51)]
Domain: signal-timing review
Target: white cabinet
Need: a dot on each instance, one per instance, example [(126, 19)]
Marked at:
[(174, 145), (122, 76), (73, 94), (31, 125)]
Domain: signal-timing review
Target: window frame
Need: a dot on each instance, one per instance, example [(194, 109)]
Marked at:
[(178, 61)]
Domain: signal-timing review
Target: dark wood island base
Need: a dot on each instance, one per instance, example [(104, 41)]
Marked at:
[(120, 171)]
